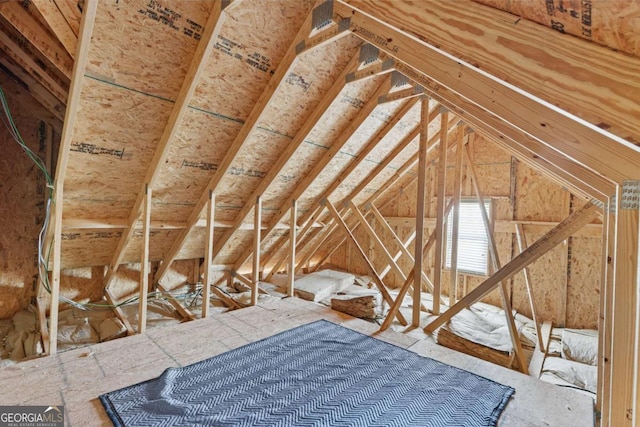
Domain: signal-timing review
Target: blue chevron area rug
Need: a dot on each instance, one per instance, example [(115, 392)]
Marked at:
[(319, 374)]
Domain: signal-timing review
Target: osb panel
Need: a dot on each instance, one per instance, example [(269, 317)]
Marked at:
[(252, 164), (71, 12), (547, 282), (356, 263), (146, 45), (115, 136), (269, 241), (235, 75), (287, 112), (486, 152), (22, 196), (193, 157), (306, 83), (251, 44), (536, 197), (342, 160), (382, 150), (613, 23), (493, 178), (381, 180), (407, 200), (391, 193), (583, 287), (341, 112), (93, 247), (339, 257), (235, 247)]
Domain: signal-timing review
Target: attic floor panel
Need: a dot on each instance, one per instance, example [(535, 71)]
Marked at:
[(75, 378)]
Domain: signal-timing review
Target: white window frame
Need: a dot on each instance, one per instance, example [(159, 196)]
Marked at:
[(473, 245)]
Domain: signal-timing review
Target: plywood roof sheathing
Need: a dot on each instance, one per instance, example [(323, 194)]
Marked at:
[(303, 186), (247, 129), (337, 144), (203, 51)]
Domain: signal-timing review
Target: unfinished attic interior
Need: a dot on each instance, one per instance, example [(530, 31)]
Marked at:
[(189, 179)]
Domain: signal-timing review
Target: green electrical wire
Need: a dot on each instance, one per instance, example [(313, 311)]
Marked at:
[(8, 121)]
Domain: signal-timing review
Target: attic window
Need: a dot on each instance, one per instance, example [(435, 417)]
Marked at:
[(473, 246)]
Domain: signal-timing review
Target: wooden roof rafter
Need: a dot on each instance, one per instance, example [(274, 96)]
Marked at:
[(54, 233), (433, 142), (309, 179), (375, 63), (526, 148), (337, 29), (314, 213), (15, 15), (340, 141), (275, 82), (587, 145), (49, 13), (198, 63), (37, 91), (563, 170), (47, 80), (536, 59)]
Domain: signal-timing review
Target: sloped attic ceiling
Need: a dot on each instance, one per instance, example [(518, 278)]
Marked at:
[(281, 100), (227, 141)]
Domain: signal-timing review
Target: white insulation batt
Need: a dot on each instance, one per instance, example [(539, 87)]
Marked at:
[(486, 324), (572, 360), (568, 373), (320, 285)]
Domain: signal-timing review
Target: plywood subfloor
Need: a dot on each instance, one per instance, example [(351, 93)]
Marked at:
[(76, 378)]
